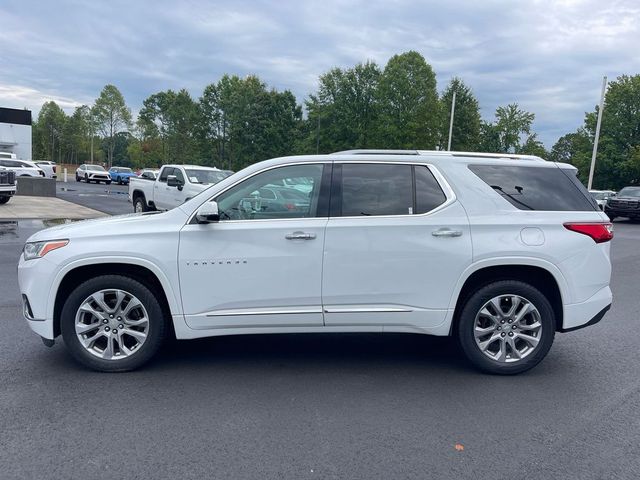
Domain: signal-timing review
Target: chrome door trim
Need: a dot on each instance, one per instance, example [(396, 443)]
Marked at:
[(338, 309), (256, 311)]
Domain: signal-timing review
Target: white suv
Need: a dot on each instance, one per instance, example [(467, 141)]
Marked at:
[(501, 251)]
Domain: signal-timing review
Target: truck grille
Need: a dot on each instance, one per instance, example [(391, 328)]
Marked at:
[(624, 204), (7, 178)]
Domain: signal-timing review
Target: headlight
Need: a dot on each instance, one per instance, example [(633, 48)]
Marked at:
[(40, 249)]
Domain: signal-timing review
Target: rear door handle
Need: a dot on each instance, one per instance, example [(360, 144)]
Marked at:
[(300, 236), (446, 232)]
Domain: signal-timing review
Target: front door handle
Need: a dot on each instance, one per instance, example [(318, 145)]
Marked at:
[(300, 236), (446, 232)]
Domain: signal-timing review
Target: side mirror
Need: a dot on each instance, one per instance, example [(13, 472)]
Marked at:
[(208, 213), (172, 181)]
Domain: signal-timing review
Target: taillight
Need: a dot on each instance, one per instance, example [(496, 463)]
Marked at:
[(599, 232)]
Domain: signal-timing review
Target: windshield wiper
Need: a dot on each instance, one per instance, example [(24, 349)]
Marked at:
[(499, 188)]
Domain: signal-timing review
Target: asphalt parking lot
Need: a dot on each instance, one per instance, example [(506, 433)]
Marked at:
[(111, 199), (321, 406)]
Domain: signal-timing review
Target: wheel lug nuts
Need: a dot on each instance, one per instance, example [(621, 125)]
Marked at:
[(121, 326), (502, 334), (511, 334), (119, 319), (513, 327), (110, 316), (499, 328), (106, 329), (510, 320), (105, 321), (501, 321)]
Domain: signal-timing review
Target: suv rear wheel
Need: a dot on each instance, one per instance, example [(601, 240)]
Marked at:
[(506, 327), (112, 323)]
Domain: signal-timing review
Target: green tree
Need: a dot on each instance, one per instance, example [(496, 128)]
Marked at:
[(111, 115), (512, 124), (408, 102), (466, 118), (48, 132), (345, 106)]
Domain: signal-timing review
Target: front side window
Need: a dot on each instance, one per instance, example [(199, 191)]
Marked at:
[(165, 173), (267, 196)]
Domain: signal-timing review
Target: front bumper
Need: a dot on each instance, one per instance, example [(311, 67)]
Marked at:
[(35, 278)]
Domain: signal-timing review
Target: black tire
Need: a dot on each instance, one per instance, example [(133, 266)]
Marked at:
[(4, 200), (119, 181), (140, 200), (86, 178), (77, 178), (475, 302), (108, 182), (156, 331)]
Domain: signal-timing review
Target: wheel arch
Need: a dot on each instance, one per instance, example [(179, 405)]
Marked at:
[(145, 274), (548, 280)]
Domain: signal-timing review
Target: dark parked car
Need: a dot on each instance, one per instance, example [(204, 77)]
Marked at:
[(625, 204)]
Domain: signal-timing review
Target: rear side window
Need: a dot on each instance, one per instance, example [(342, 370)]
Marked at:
[(429, 195), (374, 189), (537, 188)]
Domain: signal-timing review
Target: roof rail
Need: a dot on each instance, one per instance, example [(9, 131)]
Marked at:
[(441, 153), (377, 152)]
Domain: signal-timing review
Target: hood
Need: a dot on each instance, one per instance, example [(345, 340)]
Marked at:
[(105, 225)]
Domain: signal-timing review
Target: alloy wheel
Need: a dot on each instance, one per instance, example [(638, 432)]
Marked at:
[(507, 328), (112, 324)]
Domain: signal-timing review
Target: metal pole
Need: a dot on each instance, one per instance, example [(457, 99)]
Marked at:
[(453, 109), (595, 142), (318, 137)]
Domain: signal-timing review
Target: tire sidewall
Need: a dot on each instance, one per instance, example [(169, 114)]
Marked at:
[(466, 324), (156, 331)]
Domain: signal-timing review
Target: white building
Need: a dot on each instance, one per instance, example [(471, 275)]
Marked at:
[(15, 132)]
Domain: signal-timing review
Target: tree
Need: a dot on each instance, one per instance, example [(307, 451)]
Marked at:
[(345, 106), (112, 116), (512, 123), (408, 102), (48, 132), (466, 118)]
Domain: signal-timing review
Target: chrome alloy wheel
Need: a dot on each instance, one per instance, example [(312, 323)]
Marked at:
[(138, 207), (112, 324), (507, 328)]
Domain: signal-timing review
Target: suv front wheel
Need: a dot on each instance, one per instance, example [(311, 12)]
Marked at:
[(112, 323), (506, 327)]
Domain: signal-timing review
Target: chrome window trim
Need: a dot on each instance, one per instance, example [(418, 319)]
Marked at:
[(450, 196)]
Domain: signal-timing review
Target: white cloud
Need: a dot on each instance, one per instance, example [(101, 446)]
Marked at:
[(549, 56)]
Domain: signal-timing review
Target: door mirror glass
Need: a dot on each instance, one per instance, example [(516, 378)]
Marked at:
[(208, 213), (173, 181)]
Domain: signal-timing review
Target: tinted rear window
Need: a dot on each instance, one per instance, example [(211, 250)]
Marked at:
[(537, 188)]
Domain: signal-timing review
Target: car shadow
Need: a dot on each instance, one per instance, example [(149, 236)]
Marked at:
[(312, 350)]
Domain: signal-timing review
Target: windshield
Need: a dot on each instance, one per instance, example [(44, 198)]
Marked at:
[(205, 176), (600, 195), (96, 168), (630, 192), (124, 170)]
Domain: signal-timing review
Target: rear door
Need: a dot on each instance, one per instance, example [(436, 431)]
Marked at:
[(396, 243)]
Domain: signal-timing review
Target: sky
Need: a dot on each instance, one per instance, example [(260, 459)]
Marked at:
[(548, 56)]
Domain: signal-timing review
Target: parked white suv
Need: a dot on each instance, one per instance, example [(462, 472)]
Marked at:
[(500, 251)]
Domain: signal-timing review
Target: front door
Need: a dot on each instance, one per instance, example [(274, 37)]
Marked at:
[(261, 265), (395, 246)]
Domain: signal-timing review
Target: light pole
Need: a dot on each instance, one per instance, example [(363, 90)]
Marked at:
[(595, 141), (453, 110)]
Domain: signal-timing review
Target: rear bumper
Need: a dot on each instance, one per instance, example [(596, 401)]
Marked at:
[(589, 312)]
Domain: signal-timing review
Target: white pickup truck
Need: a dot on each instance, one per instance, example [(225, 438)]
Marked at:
[(172, 187)]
